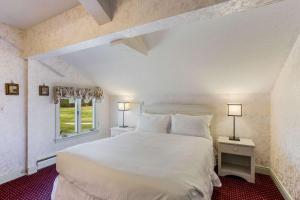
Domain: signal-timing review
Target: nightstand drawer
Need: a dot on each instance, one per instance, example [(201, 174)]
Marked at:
[(236, 149), (115, 131)]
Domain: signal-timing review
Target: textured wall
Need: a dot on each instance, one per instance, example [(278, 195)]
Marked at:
[(254, 124), (41, 110), (12, 35), (12, 108), (285, 124)]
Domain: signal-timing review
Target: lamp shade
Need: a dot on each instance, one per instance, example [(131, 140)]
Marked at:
[(123, 106), (235, 110)]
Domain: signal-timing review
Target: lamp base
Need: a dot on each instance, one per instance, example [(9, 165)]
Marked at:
[(234, 138), (123, 126)]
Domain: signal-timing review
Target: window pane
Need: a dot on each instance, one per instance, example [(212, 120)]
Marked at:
[(67, 117), (87, 116)]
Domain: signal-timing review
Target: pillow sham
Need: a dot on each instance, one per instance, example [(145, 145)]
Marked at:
[(153, 123), (191, 125)]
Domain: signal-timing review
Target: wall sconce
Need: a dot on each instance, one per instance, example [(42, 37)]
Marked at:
[(123, 106), (234, 110)]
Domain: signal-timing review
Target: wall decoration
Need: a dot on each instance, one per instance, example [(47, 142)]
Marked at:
[(43, 90), (11, 88)]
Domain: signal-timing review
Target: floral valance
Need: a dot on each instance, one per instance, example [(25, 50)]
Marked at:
[(86, 94)]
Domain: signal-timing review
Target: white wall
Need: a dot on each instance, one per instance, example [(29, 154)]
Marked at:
[(41, 110), (285, 124), (12, 108), (13, 152), (254, 124)]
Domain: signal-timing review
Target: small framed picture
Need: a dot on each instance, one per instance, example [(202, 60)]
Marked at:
[(43, 90), (11, 89)]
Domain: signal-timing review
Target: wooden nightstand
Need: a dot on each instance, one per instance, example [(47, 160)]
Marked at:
[(114, 131), (236, 158)]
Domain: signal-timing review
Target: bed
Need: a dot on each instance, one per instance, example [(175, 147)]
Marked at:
[(137, 166)]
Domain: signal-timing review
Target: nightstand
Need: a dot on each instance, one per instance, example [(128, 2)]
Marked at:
[(114, 131), (236, 158)]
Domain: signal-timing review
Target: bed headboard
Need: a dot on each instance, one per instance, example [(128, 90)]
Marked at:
[(165, 108)]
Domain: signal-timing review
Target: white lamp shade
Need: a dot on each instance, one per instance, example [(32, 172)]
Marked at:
[(235, 110), (123, 106)]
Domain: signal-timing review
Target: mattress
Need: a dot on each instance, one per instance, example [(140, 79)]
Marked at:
[(139, 165)]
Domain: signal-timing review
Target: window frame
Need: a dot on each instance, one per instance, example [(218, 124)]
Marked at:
[(78, 125)]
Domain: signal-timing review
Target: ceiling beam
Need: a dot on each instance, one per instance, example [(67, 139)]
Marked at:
[(101, 10), (76, 29), (136, 43)]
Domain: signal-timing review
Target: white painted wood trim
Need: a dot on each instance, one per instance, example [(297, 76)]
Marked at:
[(267, 171), (77, 135), (100, 10), (280, 186), (46, 163), (41, 165), (262, 170), (136, 43), (11, 176), (32, 170)]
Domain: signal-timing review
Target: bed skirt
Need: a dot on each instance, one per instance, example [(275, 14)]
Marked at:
[(65, 190)]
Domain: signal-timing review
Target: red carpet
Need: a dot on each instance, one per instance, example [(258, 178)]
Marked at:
[(35, 187), (234, 188), (39, 186)]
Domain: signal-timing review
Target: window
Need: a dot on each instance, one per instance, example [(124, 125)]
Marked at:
[(75, 117), (87, 116)]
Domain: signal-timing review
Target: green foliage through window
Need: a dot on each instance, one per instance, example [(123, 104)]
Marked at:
[(70, 120)]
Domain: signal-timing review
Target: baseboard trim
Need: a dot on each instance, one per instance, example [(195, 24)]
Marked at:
[(46, 163), (262, 170), (14, 175), (32, 170), (280, 186), (268, 171), (41, 165), (11, 176)]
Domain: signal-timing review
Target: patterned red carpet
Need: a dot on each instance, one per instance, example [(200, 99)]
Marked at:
[(234, 188), (39, 187)]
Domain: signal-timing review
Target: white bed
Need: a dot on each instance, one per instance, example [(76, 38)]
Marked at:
[(137, 166)]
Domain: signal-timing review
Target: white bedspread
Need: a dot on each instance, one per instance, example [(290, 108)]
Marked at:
[(140, 166)]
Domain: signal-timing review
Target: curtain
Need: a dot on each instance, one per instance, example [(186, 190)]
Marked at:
[(86, 94)]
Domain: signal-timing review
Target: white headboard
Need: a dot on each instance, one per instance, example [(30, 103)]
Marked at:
[(165, 108)]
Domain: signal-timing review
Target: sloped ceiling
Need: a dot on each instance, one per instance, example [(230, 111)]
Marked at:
[(26, 13), (240, 53)]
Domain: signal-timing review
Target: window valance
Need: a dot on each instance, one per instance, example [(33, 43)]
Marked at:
[(86, 94)]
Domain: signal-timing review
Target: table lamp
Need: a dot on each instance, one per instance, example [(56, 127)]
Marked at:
[(234, 110), (123, 106)]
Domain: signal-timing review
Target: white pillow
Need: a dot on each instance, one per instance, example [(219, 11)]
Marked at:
[(191, 125), (154, 123)]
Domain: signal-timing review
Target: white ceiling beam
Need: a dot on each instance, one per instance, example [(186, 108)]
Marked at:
[(100, 10), (136, 43), (131, 19)]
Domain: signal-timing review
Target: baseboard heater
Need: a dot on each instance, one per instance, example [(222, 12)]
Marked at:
[(45, 162)]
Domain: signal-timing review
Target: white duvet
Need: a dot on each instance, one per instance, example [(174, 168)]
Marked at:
[(138, 166)]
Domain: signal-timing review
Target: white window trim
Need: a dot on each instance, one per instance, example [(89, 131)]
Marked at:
[(77, 132)]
